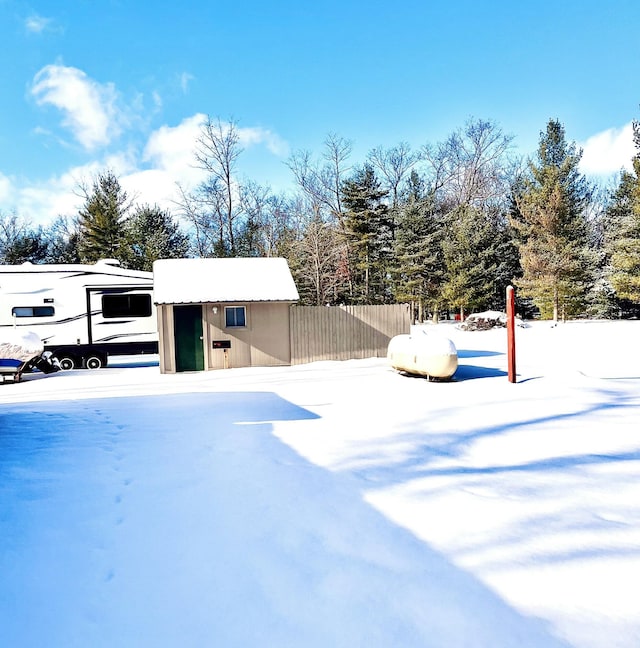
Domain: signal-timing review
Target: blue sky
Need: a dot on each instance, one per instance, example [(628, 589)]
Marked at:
[(90, 85)]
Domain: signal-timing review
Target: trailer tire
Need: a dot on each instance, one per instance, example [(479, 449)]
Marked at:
[(67, 363), (95, 362)]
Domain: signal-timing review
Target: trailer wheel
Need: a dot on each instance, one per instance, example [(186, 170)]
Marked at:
[(66, 363), (95, 362)]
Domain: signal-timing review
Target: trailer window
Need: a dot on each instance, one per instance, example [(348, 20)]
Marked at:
[(235, 316), (33, 311), (126, 306)]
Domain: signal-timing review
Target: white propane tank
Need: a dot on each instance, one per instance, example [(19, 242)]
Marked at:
[(424, 354)]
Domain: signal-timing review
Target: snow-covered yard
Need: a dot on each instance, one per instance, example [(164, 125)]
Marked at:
[(331, 504)]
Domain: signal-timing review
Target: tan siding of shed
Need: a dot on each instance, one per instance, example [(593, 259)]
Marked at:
[(166, 340)]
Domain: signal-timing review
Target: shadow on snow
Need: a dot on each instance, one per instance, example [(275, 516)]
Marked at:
[(182, 520)]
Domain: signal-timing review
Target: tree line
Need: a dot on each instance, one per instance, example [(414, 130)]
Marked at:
[(446, 228)]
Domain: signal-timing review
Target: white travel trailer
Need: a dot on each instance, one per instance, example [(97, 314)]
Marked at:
[(82, 312)]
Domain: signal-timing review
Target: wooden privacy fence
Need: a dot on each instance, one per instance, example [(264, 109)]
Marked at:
[(345, 332)]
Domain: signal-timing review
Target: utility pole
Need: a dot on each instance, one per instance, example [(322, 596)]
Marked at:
[(511, 334)]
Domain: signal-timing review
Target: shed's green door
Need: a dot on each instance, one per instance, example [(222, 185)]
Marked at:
[(187, 323)]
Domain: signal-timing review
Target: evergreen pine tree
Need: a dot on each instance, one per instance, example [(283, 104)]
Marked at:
[(102, 219), (469, 258), (152, 234), (62, 241), (20, 242), (552, 228), (31, 247), (419, 263), (623, 231), (369, 232)]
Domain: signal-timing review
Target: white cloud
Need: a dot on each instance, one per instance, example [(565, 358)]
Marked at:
[(252, 136), (36, 24), (89, 108), (607, 152), (170, 151), (152, 187), (148, 177), (169, 156), (185, 79), (5, 188), (41, 202), (248, 136), (157, 100), (171, 148)]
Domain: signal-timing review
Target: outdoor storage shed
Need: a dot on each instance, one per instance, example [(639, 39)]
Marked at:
[(222, 313)]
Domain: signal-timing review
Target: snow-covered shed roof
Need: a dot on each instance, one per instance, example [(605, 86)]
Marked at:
[(188, 281)]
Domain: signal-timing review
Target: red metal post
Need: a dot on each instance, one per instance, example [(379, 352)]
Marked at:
[(511, 334)]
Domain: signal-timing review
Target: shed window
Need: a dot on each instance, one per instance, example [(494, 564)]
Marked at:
[(235, 316), (126, 305), (33, 311)]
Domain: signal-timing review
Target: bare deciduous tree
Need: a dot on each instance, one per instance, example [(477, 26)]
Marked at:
[(318, 255), (217, 151), (470, 168), (394, 165), (322, 182)]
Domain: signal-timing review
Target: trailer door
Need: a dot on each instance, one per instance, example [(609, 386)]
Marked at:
[(187, 322)]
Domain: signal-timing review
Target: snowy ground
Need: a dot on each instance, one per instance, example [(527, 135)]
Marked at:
[(331, 504)]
